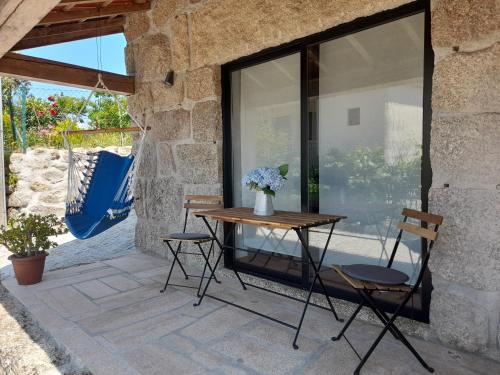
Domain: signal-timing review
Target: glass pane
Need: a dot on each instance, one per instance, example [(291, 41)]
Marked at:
[(369, 140), (266, 132)]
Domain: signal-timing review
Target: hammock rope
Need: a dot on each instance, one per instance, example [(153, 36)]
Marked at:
[(100, 184)]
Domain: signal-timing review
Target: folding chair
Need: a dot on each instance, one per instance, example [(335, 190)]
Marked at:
[(193, 202), (369, 279)]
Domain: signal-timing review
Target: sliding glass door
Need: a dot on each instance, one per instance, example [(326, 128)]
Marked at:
[(346, 112), (265, 123), (369, 140)]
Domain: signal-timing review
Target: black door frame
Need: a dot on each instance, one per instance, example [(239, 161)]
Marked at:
[(305, 46)]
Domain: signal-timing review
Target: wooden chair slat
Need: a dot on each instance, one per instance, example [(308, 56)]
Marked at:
[(418, 231), (203, 206), (423, 216), (206, 198)]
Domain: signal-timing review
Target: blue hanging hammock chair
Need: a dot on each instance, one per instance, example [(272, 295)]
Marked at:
[(100, 186), (103, 198)]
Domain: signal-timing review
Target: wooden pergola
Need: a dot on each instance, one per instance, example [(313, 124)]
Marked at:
[(68, 21)]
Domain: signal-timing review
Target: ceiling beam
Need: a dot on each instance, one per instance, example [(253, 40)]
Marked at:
[(17, 17), (43, 36), (36, 69), (72, 3), (80, 2), (76, 14), (365, 55)]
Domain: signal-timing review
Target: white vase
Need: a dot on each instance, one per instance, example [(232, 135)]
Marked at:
[(263, 204)]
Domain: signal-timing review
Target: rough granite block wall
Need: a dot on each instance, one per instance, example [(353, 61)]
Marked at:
[(465, 153), (183, 153)]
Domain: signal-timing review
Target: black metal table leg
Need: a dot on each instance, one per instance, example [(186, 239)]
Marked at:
[(317, 276), (205, 268), (223, 246)]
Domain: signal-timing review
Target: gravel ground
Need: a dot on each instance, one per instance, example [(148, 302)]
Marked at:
[(25, 349)]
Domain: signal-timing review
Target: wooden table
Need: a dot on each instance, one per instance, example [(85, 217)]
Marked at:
[(296, 221)]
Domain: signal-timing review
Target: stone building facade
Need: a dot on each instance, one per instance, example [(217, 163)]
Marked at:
[(183, 153)]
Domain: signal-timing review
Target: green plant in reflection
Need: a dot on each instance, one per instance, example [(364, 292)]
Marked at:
[(363, 182)]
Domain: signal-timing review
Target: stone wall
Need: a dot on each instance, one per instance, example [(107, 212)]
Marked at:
[(41, 175), (183, 150), (465, 153)]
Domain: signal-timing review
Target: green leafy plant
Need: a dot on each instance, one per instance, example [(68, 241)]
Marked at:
[(12, 180), (28, 235)]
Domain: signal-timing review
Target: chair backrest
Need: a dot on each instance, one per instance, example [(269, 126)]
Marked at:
[(201, 202), (428, 230)]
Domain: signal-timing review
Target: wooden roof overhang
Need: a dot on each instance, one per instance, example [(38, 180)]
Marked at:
[(69, 21)]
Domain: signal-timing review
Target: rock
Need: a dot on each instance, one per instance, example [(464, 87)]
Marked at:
[(19, 198), (147, 164), (180, 43), (16, 162), (464, 82), (39, 186), (166, 163), (165, 199), (62, 166), (203, 83), (207, 122), (53, 175), (13, 212), (147, 237), (52, 198), (124, 150), (159, 199), (162, 11), (468, 24), (171, 125), (465, 151), (141, 101), (47, 210), (468, 238), (137, 25), (165, 98), (152, 57), (113, 149), (236, 28), (199, 163), (130, 60), (54, 155), (458, 320)]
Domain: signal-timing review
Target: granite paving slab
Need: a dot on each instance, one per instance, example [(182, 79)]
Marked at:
[(113, 318)]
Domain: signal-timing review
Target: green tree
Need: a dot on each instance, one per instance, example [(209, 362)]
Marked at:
[(105, 112), (11, 87)]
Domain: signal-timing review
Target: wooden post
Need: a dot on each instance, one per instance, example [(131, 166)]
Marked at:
[(3, 198)]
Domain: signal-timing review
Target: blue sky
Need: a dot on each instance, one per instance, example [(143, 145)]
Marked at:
[(84, 53)]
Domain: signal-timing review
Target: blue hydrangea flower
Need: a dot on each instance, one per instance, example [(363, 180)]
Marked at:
[(266, 179)]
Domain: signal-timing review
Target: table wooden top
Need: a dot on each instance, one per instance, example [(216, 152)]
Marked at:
[(280, 219)]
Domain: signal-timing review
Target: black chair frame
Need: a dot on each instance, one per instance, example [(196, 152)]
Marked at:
[(366, 290), (188, 205)]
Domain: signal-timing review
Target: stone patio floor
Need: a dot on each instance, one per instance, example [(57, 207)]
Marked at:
[(111, 316)]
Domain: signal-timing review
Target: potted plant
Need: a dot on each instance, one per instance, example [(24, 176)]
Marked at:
[(27, 238), (266, 181)]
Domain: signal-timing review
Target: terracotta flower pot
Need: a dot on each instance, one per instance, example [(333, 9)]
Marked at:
[(28, 270)]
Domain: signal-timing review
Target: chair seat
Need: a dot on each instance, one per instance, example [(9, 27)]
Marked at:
[(375, 274), (188, 237)]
